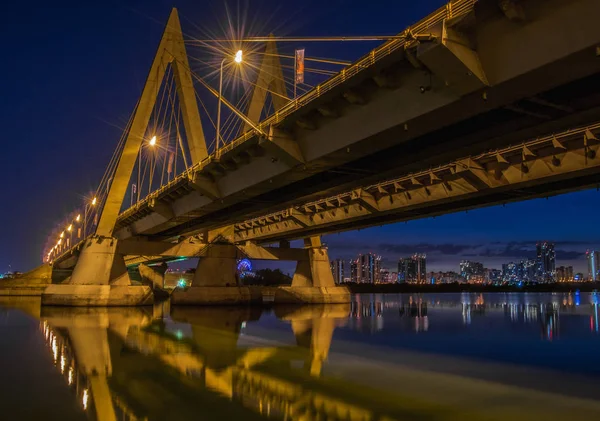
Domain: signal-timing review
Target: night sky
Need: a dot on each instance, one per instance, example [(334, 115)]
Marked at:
[(73, 71)]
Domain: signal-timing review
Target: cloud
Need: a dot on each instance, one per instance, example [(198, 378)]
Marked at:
[(447, 255), (447, 249)]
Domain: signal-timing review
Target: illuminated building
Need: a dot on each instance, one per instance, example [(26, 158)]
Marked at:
[(494, 275), (524, 271), (473, 272), (510, 272), (528, 270), (546, 261), (353, 271), (384, 276), (338, 270), (413, 269), (368, 267), (444, 277), (564, 274), (593, 261)]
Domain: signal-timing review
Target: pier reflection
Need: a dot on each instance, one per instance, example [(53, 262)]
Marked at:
[(125, 364), (295, 363)]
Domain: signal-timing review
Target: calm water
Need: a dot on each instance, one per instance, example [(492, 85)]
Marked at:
[(383, 357)]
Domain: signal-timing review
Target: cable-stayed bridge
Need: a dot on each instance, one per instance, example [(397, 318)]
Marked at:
[(479, 103)]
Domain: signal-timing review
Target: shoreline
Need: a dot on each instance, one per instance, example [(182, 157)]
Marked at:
[(457, 288)]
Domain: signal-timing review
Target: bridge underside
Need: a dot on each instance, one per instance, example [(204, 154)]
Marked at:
[(407, 134), (378, 125)]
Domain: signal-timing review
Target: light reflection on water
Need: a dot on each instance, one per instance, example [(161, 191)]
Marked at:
[(381, 357)]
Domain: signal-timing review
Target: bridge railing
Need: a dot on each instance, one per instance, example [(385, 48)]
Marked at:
[(452, 9)]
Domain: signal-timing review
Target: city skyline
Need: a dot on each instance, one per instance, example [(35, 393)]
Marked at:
[(447, 256), (367, 268)]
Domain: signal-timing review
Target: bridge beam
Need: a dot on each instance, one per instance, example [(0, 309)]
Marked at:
[(281, 145), (450, 56)]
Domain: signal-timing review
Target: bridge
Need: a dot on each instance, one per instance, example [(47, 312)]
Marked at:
[(481, 102)]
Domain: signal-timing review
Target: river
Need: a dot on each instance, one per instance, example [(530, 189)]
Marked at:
[(513, 356)]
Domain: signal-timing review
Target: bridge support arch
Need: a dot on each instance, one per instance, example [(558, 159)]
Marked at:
[(216, 281)]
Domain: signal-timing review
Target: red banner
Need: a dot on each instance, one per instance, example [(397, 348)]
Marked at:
[(299, 66)]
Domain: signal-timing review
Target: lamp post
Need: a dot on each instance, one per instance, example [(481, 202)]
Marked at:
[(85, 212), (238, 59), (70, 231), (152, 143), (138, 187)]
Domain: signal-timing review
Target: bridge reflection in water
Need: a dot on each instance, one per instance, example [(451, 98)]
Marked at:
[(198, 363)]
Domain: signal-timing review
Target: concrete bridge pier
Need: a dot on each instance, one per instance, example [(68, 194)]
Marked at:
[(99, 278), (313, 280), (216, 281)]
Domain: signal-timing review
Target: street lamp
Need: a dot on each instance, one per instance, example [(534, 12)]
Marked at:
[(70, 231), (151, 142), (238, 59), (85, 212)]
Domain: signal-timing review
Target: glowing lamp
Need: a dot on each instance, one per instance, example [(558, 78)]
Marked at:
[(238, 56)]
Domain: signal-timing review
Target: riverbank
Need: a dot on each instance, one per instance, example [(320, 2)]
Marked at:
[(413, 288)]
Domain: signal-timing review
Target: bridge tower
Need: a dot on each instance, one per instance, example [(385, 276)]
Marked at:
[(100, 275)]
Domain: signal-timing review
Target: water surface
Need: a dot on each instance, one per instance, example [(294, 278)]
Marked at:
[(387, 357)]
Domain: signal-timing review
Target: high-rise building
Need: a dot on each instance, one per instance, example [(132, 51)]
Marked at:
[(493, 275), (524, 271), (593, 261), (387, 277), (546, 261), (413, 269), (366, 269), (472, 271), (510, 272), (353, 270), (338, 270), (527, 270)]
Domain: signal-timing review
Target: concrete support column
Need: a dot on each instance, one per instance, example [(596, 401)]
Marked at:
[(154, 276), (215, 281), (218, 268), (313, 281), (99, 264), (316, 271), (100, 278)]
